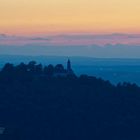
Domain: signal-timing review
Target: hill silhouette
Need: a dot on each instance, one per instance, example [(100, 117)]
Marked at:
[(36, 105)]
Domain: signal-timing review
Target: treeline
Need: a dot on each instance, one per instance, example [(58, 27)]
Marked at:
[(35, 105), (32, 68)]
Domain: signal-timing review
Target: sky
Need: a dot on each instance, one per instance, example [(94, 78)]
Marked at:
[(96, 28), (29, 17)]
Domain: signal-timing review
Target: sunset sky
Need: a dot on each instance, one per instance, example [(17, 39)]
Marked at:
[(28, 17)]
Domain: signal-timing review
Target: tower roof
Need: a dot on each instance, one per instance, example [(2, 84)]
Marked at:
[(68, 60)]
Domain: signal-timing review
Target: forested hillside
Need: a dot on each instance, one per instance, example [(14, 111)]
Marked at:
[(35, 105)]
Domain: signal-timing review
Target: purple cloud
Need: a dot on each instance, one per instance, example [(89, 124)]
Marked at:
[(72, 39)]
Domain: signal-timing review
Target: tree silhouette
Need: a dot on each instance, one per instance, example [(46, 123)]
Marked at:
[(50, 70), (59, 68)]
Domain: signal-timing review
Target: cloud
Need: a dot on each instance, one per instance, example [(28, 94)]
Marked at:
[(100, 36), (90, 39), (3, 35), (39, 39), (71, 39), (100, 46)]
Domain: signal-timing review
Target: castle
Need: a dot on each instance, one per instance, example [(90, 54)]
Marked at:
[(69, 69), (66, 72)]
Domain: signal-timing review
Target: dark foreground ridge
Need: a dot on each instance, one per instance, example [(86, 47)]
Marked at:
[(43, 103)]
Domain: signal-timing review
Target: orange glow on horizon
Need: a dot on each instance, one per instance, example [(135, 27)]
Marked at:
[(75, 16)]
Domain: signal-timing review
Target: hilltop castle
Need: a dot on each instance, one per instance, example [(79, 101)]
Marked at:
[(65, 72), (69, 69)]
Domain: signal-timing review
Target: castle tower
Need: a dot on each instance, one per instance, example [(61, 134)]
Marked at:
[(69, 69), (69, 66)]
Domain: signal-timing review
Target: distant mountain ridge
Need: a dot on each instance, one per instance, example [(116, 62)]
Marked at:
[(76, 59), (97, 51)]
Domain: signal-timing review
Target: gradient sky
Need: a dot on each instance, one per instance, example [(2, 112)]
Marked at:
[(25, 17)]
